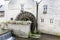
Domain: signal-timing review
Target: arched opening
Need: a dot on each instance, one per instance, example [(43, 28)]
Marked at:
[(27, 16)]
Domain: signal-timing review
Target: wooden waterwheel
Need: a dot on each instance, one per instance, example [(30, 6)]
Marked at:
[(27, 16)]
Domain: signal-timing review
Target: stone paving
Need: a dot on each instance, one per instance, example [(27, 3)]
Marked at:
[(44, 37)]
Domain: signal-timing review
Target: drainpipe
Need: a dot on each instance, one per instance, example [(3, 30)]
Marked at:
[(22, 8), (37, 8), (37, 5)]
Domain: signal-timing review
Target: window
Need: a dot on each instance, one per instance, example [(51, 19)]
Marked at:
[(44, 9), (1, 13), (51, 20), (42, 20)]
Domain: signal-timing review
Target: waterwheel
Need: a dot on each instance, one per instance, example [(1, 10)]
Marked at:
[(27, 16)]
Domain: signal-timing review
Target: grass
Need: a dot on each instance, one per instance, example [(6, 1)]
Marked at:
[(34, 35)]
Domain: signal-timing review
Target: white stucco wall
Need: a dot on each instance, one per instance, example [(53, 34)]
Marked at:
[(29, 5), (53, 12)]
